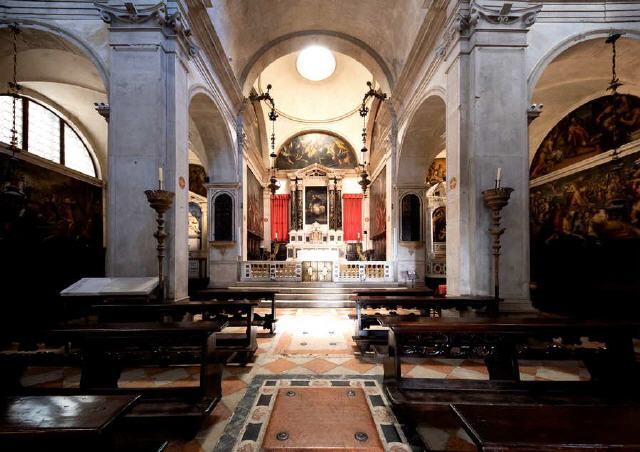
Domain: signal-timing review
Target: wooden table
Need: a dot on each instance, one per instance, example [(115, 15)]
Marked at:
[(502, 428), (364, 336), (83, 422), (267, 321), (500, 336)]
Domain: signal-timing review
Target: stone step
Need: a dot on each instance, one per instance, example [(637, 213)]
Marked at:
[(309, 304), (316, 295), (312, 285)]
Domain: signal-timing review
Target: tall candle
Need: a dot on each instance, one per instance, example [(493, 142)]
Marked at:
[(498, 177), (160, 177), (276, 236)]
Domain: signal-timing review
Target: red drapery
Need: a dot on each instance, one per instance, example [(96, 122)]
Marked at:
[(352, 216), (280, 217)]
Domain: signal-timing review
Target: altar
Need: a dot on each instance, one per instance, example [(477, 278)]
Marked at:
[(318, 254), (316, 244)]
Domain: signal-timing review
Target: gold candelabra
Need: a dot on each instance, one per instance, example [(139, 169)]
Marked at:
[(495, 199), (160, 201)]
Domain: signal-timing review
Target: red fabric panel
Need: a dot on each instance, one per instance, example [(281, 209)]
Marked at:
[(280, 217), (352, 216)]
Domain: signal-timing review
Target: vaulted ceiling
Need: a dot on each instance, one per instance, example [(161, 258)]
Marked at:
[(374, 32)]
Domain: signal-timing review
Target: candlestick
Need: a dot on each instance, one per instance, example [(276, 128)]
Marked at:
[(495, 199), (160, 201)]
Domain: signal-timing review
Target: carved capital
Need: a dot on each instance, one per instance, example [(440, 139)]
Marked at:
[(171, 23), (103, 110), (505, 15), (533, 111)]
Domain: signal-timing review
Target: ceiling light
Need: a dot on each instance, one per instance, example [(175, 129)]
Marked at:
[(316, 63)]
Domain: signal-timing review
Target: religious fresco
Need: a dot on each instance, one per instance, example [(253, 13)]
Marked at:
[(255, 207), (315, 200), (437, 172), (197, 179), (378, 203), (439, 225), (51, 243), (316, 147), (588, 131), (585, 236)]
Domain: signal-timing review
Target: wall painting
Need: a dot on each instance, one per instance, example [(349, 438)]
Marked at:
[(316, 147), (588, 131), (197, 179), (315, 211), (255, 206)]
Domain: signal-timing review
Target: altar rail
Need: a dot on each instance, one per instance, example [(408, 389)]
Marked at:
[(352, 271)]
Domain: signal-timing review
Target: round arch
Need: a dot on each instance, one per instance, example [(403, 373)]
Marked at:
[(339, 42), (422, 140), (215, 136)]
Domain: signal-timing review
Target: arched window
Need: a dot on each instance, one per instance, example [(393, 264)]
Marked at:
[(410, 218), (43, 133), (223, 218)]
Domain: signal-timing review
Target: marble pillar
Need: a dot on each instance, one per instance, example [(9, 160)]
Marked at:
[(487, 130), (148, 129)]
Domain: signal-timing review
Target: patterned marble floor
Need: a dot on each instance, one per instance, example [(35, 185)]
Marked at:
[(308, 341)]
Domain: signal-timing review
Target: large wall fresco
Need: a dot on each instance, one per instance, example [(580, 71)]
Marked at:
[(585, 234), (197, 179), (588, 131), (51, 243), (255, 206), (316, 147)]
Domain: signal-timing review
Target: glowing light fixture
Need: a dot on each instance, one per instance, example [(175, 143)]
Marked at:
[(316, 63)]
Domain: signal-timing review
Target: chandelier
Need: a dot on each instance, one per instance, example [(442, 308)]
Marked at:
[(12, 195), (274, 185), (362, 168)]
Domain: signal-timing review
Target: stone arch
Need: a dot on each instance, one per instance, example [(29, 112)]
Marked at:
[(217, 150), (339, 42), (339, 138), (60, 69), (577, 71), (422, 140)]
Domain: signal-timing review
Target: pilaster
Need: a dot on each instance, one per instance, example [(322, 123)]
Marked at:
[(148, 129), (487, 130)]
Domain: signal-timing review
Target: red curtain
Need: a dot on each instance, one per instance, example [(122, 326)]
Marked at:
[(352, 216), (280, 217)]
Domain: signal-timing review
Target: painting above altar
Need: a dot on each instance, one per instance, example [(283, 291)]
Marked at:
[(315, 205), (322, 148)]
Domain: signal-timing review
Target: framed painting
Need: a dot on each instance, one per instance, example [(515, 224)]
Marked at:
[(322, 148), (315, 201)]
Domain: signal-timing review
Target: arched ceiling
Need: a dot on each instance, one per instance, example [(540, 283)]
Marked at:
[(306, 104), (387, 29), (424, 140), (579, 74), (52, 70)]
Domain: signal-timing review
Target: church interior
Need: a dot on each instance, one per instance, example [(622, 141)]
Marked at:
[(365, 225)]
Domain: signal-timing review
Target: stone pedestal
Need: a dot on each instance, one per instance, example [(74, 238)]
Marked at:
[(148, 129), (487, 130)]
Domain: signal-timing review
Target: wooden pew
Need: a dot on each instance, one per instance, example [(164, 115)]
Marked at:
[(546, 428), (233, 313), (501, 341), (70, 423), (365, 337), (103, 350), (267, 321)]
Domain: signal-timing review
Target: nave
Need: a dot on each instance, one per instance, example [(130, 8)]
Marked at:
[(312, 344)]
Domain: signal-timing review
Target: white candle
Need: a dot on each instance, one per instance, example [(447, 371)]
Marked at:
[(160, 177), (358, 236), (276, 236), (498, 177)]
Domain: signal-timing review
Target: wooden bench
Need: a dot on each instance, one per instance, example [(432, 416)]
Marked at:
[(103, 350), (547, 428), (365, 337), (233, 313), (266, 321), (501, 341), (70, 423)]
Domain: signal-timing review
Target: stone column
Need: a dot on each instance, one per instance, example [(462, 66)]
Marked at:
[(338, 194), (487, 130), (332, 204), (266, 200), (293, 204), (148, 129), (299, 204)]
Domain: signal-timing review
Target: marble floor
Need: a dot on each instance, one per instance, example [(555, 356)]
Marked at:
[(311, 342)]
